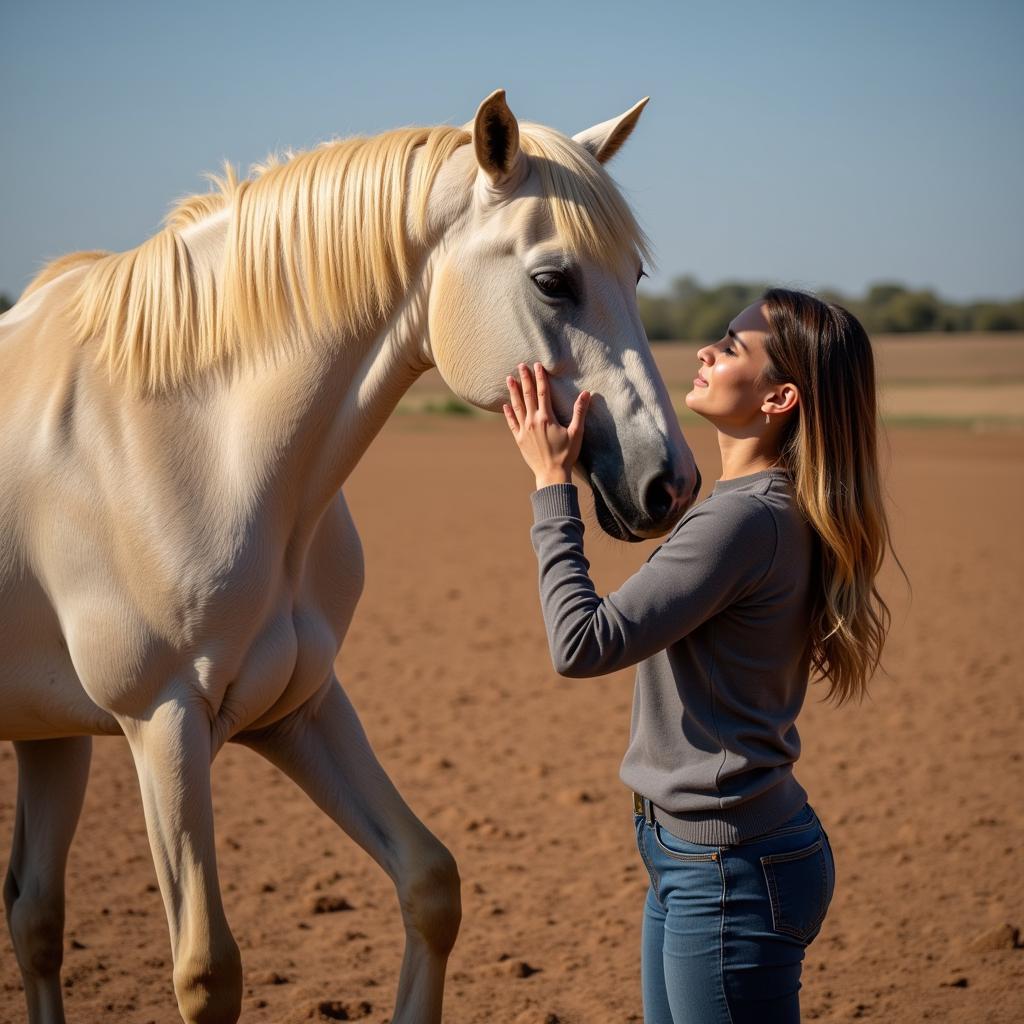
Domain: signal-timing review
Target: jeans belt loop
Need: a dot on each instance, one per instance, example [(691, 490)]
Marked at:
[(644, 807)]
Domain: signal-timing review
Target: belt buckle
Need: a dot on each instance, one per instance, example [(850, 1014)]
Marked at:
[(638, 804)]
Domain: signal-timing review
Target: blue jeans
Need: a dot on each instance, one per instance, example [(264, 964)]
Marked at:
[(725, 927)]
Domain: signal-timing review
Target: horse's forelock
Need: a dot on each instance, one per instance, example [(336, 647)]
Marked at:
[(588, 210)]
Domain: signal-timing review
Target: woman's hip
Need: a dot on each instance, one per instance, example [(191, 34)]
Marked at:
[(726, 927), (774, 886)]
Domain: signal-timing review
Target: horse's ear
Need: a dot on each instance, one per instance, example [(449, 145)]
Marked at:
[(496, 138), (604, 140)]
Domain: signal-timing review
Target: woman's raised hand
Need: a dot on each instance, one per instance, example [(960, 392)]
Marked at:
[(548, 448)]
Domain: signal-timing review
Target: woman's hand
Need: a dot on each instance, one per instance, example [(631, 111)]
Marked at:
[(548, 448)]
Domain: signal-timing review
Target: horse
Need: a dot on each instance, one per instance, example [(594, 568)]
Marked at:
[(177, 561)]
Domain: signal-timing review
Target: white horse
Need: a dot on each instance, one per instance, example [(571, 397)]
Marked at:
[(177, 562)]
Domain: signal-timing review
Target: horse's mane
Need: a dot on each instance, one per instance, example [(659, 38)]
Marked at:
[(317, 244)]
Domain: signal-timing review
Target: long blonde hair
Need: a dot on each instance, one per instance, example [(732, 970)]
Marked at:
[(831, 451)]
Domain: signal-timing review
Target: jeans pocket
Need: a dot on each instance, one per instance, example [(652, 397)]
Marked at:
[(680, 849), (800, 886)]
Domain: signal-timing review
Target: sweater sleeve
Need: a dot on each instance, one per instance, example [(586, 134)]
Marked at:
[(722, 549)]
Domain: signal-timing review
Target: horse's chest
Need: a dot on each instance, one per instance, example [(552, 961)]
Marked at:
[(283, 668), (250, 634), (290, 656)]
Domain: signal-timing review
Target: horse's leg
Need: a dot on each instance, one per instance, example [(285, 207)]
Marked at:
[(52, 775), (172, 750), (323, 748)]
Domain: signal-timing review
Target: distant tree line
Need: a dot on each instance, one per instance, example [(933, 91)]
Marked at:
[(692, 312)]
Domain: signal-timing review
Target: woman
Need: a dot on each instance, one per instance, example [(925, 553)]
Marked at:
[(768, 579)]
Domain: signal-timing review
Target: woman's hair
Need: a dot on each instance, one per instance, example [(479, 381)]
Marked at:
[(831, 451)]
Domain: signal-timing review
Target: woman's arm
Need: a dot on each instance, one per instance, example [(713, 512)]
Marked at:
[(710, 560), (721, 550)]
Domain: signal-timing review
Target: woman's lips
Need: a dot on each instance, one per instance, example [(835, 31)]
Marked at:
[(700, 382)]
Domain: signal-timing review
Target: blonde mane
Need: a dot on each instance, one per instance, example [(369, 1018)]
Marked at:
[(317, 246)]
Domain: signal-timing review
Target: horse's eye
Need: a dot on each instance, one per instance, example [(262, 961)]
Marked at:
[(553, 284)]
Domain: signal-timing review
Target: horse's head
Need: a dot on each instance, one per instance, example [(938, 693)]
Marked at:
[(542, 266)]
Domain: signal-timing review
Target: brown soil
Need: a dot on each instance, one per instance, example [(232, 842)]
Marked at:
[(516, 770)]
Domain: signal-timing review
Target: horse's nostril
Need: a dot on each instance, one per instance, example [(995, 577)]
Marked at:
[(666, 493), (659, 497)]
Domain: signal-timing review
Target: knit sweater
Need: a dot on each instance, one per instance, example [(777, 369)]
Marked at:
[(716, 621)]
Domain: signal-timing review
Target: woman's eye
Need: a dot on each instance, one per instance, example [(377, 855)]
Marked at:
[(553, 284)]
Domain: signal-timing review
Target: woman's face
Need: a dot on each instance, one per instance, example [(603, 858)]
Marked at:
[(728, 388)]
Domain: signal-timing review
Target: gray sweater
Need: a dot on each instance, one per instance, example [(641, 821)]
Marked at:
[(716, 621)]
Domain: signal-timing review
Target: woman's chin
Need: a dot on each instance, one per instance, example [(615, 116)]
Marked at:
[(694, 404)]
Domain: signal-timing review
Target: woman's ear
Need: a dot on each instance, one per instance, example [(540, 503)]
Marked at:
[(782, 398)]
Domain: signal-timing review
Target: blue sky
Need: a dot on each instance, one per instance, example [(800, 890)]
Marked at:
[(807, 143)]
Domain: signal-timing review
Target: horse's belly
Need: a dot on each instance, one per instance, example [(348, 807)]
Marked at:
[(54, 705), (41, 695)]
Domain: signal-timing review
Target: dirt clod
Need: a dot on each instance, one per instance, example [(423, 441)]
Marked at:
[(1004, 936), (330, 905)]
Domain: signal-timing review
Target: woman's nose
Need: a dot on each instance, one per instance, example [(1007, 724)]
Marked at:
[(706, 355)]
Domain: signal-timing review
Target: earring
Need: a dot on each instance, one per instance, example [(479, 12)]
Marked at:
[(767, 418)]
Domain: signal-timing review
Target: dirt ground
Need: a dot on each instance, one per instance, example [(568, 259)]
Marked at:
[(516, 770)]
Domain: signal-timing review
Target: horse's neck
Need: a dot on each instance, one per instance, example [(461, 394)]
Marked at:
[(359, 385), (302, 421)]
